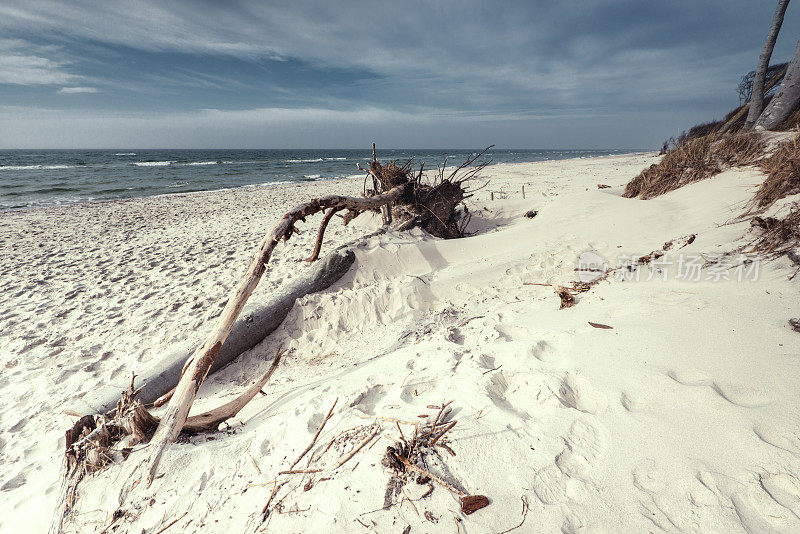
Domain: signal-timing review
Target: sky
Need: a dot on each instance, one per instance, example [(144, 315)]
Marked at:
[(404, 74)]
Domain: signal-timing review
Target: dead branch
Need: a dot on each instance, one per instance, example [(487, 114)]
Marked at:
[(186, 391), (323, 225), (210, 420), (314, 439)]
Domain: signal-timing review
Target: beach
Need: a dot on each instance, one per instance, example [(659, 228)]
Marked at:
[(666, 398)]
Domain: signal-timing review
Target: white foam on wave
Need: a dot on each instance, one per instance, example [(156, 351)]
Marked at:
[(35, 167), (314, 160), (153, 163), (201, 163), (125, 154)]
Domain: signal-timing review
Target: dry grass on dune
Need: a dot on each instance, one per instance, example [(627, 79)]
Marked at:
[(735, 150), (778, 236), (783, 174), (693, 160)]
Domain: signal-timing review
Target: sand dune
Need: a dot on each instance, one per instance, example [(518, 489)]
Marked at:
[(684, 416)]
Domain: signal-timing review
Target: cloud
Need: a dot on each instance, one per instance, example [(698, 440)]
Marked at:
[(78, 90), (22, 64), (523, 61), (544, 52)]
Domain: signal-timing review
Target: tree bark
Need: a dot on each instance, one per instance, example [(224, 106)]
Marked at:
[(786, 99), (757, 95), (178, 409), (727, 126)]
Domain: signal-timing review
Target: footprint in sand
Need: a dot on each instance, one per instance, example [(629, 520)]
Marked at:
[(690, 377), (367, 399), (628, 402), (784, 489), (646, 477), (550, 485), (13, 483), (745, 396), (780, 434), (577, 392), (585, 445), (543, 352), (740, 395), (511, 332), (759, 512)]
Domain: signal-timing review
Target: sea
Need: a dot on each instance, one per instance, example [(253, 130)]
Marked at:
[(37, 178)]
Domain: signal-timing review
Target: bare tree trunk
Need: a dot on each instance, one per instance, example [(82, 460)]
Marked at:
[(786, 99), (728, 125), (757, 95)]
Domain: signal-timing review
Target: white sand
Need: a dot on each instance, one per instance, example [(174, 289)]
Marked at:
[(684, 416)]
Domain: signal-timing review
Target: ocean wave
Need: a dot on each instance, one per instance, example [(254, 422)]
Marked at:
[(35, 167), (200, 163), (152, 163), (313, 160), (125, 154)]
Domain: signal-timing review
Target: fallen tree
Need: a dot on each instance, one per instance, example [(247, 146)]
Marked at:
[(405, 199)]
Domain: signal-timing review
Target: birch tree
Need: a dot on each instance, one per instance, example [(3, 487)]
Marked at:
[(757, 95)]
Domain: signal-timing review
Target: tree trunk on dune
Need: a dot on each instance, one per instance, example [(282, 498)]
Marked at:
[(728, 125), (757, 96), (787, 98)]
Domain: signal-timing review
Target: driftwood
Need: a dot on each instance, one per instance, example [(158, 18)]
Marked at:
[(178, 409), (431, 206), (404, 456), (403, 198)]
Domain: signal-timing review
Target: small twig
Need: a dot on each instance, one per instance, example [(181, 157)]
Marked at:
[(265, 510), (402, 437), (357, 448), (298, 471), (413, 506), (314, 439), (442, 433), (524, 515), (254, 463), (464, 323), (173, 522), (425, 472), (438, 415)]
